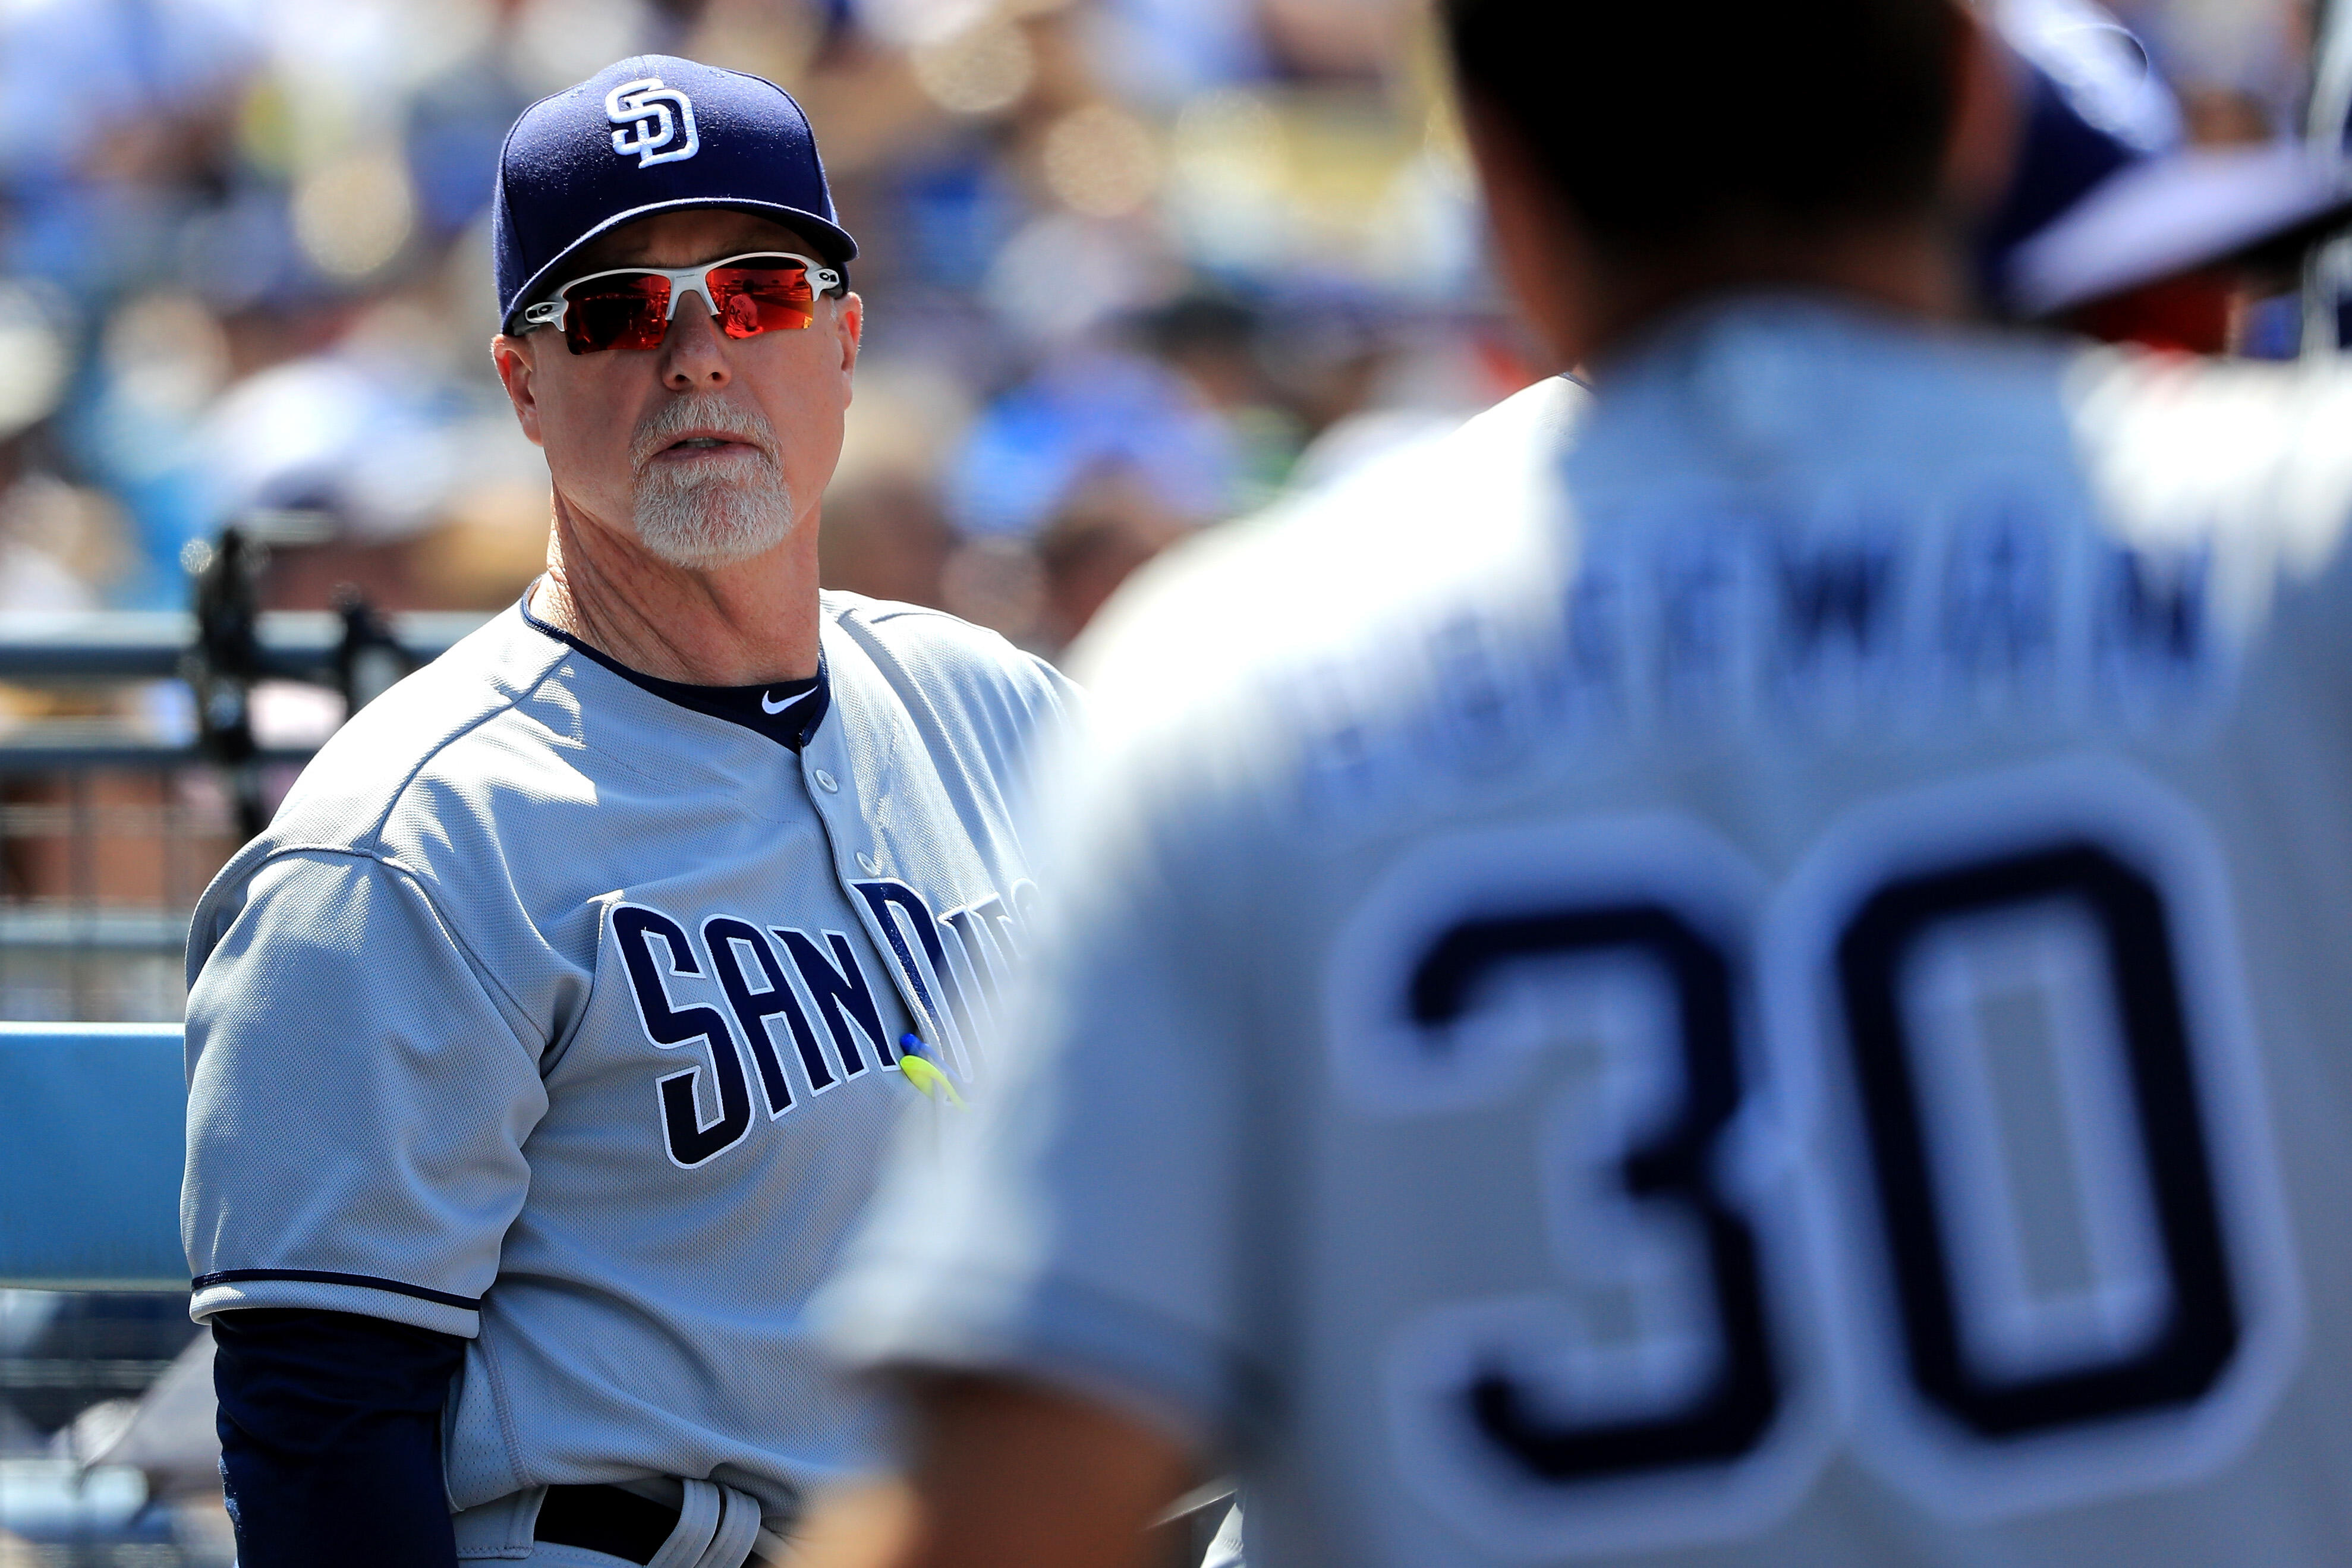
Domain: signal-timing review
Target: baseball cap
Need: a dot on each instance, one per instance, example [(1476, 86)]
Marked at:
[(647, 134), (2105, 196), (2190, 208)]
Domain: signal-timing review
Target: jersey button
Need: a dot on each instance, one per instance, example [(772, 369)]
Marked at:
[(866, 863), (825, 782)]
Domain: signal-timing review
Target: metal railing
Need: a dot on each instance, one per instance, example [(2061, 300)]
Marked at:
[(104, 1384), (354, 652), (114, 815), (130, 770)]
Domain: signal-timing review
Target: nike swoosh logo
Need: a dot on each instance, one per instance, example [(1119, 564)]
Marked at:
[(772, 708)]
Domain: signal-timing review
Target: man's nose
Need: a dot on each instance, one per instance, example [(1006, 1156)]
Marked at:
[(694, 356)]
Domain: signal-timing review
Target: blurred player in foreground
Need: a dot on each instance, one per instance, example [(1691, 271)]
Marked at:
[(1785, 1006), (2109, 224), (541, 1051)]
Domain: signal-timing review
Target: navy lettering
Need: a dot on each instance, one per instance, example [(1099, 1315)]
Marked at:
[(1997, 610), (1594, 636), (2155, 611), (727, 938), (690, 1140), (955, 1016), (1695, 615), (985, 930), (1477, 705), (842, 997), (1834, 593)]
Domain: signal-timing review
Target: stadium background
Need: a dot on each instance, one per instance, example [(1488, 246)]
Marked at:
[(1133, 268)]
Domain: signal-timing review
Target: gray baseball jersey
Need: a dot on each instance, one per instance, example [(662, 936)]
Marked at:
[(561, 1016), (1781, 1004)]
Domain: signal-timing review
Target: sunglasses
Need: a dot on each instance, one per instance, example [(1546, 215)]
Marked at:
[(631, 307)]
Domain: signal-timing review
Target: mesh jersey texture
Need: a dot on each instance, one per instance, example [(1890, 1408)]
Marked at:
[(1571, 1005), (555, 1015)]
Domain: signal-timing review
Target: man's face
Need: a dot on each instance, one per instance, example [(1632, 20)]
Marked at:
[(707, 449)]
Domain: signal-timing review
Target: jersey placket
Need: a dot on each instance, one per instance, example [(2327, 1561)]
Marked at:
[(899, 890)]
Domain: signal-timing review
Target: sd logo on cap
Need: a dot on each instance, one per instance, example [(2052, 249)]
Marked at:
[(641, 136), (639, 107)]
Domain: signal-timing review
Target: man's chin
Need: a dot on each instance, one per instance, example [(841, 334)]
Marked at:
[(715, 522)]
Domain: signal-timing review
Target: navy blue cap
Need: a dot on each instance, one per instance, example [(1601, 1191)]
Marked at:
[(649, 134), (2105, 196), (2094, 106)]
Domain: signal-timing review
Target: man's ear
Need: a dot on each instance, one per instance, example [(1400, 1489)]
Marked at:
[(853, 328), (849, 324), (1540, 252), (518, 364), (1981, 148)]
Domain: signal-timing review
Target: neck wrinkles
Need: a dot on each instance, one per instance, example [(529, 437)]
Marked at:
[(737, 625)]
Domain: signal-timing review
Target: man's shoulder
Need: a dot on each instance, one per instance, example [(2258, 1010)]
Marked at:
[(1385, 541), (940, 657), (447, 722), (2175, 444)]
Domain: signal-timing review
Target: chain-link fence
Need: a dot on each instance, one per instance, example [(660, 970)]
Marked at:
[(139, 751)]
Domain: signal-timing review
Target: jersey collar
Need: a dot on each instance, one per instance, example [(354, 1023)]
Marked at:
[(785, 711)]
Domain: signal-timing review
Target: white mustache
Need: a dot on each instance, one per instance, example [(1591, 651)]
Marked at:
[(675, 416)]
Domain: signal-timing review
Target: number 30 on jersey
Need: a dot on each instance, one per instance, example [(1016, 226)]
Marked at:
[(1953, 1145)]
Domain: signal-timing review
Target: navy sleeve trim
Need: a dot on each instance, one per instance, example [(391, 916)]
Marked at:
[(321, 1276)]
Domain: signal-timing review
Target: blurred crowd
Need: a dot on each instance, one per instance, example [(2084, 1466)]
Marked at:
[(1133, 267)]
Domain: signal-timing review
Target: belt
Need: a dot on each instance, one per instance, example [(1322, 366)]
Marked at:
[(624, 1523)]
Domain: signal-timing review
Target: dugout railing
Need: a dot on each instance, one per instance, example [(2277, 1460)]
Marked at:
[(130, 769), (108, 1369)]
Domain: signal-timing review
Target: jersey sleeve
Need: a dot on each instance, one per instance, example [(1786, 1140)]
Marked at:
[(1080, 1224), (358, 1097)]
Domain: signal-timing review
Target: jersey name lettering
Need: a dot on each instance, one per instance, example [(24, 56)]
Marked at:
[(818, 986), (1838, 628), (1698, 624)]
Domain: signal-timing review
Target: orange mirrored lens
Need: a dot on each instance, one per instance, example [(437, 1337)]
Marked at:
[(618, 313), (754, 299), (631, 310)]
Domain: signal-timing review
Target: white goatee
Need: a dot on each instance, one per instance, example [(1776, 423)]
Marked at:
[(700, 521)]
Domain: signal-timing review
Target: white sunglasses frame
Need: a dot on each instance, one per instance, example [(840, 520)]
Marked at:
[(682, 280)]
